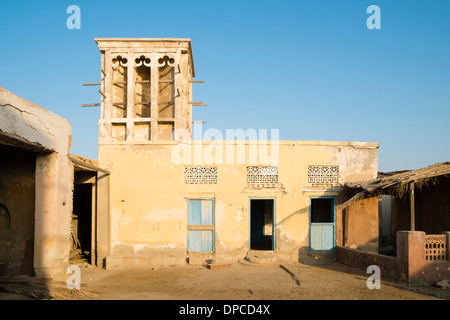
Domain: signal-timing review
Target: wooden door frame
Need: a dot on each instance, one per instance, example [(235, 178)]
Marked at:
[(201, 227), (334, 221), (250, 221)]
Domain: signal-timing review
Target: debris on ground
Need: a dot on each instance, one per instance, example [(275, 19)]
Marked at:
[(443, 284)]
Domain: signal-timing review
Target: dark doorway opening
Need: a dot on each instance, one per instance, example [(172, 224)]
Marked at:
[(82, 221), (322, 210), (261, 224), (17, 210)]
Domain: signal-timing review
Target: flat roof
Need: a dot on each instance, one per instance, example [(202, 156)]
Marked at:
[(143, 39)]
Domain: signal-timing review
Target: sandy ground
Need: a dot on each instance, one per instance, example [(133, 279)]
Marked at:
[(243, 281)]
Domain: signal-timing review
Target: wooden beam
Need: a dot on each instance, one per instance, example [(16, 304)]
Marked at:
[(203, 227), (196, 81), (198, 121), (87, 165), (92, 84), (91, 105), (412, 206)]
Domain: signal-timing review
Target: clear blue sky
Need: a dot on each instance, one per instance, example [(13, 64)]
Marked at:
[(309, 68)]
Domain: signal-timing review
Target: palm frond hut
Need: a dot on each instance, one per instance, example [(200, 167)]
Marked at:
[(413, 222), (422, 194)]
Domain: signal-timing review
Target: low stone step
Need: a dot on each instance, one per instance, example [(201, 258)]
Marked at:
[(260, 257)]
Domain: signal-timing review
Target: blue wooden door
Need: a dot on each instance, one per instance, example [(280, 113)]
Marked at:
[(322, 224), (322, 236), (200, 225)]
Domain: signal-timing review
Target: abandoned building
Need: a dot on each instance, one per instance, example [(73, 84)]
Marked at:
[(174, 198), (157, 197), (35, 188)]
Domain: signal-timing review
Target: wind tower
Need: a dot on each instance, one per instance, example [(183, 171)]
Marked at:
[(146, 90)]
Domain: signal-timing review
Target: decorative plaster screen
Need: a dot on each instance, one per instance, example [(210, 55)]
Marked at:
[(200, 175), (435, 247), (323, 174), (259, 175)]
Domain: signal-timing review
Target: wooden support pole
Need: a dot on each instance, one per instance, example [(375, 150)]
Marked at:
[(413, 213)]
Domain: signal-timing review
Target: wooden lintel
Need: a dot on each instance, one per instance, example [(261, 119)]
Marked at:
[(202, 227)]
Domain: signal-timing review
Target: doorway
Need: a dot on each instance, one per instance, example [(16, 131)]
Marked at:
[(262, 224), (17, 210), (82, 221), (385, 203), (322, 224)]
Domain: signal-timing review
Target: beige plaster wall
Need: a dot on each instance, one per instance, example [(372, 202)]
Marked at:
[(149, 195)]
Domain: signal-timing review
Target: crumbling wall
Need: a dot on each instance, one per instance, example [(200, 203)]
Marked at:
[(30, 127)]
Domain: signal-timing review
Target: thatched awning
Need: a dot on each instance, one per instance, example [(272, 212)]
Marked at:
[(398, 184), (83, 163)]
